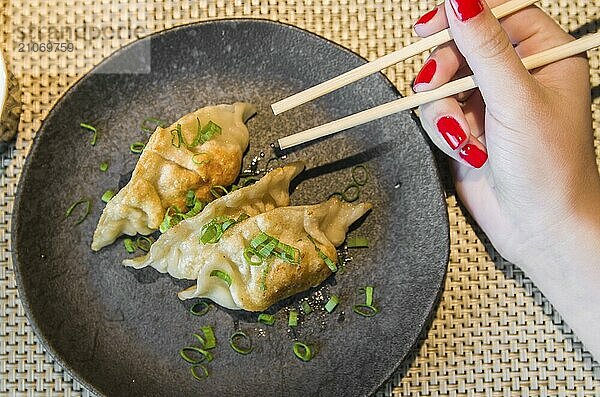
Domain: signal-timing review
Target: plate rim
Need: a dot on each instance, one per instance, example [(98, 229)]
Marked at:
[(22, 297)]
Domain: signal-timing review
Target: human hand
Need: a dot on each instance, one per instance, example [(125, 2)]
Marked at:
[(540, 181)]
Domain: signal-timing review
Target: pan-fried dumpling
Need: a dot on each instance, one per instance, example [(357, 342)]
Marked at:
[(197, 152), (169, 252), (290, 248)]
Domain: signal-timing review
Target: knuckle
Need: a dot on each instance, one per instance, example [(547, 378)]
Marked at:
[(493, 43)]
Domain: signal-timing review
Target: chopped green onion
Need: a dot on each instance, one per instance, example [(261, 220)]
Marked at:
[(190, 198), (238, 337), (360, 175), (250, 254), (303, 351), (259, 240), (197, 161), (330, 264), (351, 193), (203, 355), (306, 308), (108, 195), (194, 371), (293, 318), (144, 243), (137, 147), (168, 220), (93, 129), (209, 131), (365, 310), (222, 275), (129, 245), (200, 308), (103, 166), (368, 295), (243, 216), (268, 248), (215, 191), (196, 209), (210, 342), (358, 242), (332, 303), (265, 318), (211, 233), (155, 121), (266, 245), (88, 206), (177, 135)]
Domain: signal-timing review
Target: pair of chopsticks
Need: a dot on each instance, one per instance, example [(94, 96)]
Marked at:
[(454, 87)]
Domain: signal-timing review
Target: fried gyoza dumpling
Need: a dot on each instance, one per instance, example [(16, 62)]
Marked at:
[(197, 152), (169, 252), (270, 256)]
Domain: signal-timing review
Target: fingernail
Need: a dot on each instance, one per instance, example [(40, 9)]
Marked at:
[(426, 74), (473, 155), (466, 9), (427, 17), (451, 131)]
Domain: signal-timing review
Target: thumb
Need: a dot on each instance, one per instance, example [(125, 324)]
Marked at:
[(497, 68)]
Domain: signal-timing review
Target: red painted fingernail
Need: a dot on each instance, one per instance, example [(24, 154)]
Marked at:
[(473, 155), (451, 131), (426, 74), (427, 17), (466, 9)]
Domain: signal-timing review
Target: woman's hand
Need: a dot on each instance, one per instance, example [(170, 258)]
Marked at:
[(524, 162)]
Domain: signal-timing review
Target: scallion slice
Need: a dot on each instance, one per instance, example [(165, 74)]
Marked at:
[(190, 198), (259, 240), (144, 243), (152, 120), (222, 275), (365, 310), (252, 257), (368, 295), (94, 131), (176, 136), (293, 318), (332, 303), (88, 206), (202, 355), (209, 131), (330, 264), (357, 242), (200, 308), (306, 308), (210, 342), (303, 351), (210, 233), (108, 195), (137, 147), (167, 222), (351, 193), (360, 175), (265, 318), (217, 190), (239, 337), (129, 245), (200, 377), (104, 166)]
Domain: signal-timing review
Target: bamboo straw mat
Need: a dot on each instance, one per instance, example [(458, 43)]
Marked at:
[(493, 334)]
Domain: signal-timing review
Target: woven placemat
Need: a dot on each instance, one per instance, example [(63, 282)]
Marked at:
[(493, 334)]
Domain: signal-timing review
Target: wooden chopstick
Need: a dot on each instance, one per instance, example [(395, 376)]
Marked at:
[(467, 83), (388, 60)]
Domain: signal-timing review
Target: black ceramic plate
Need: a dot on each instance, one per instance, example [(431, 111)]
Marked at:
[(118, 331)]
